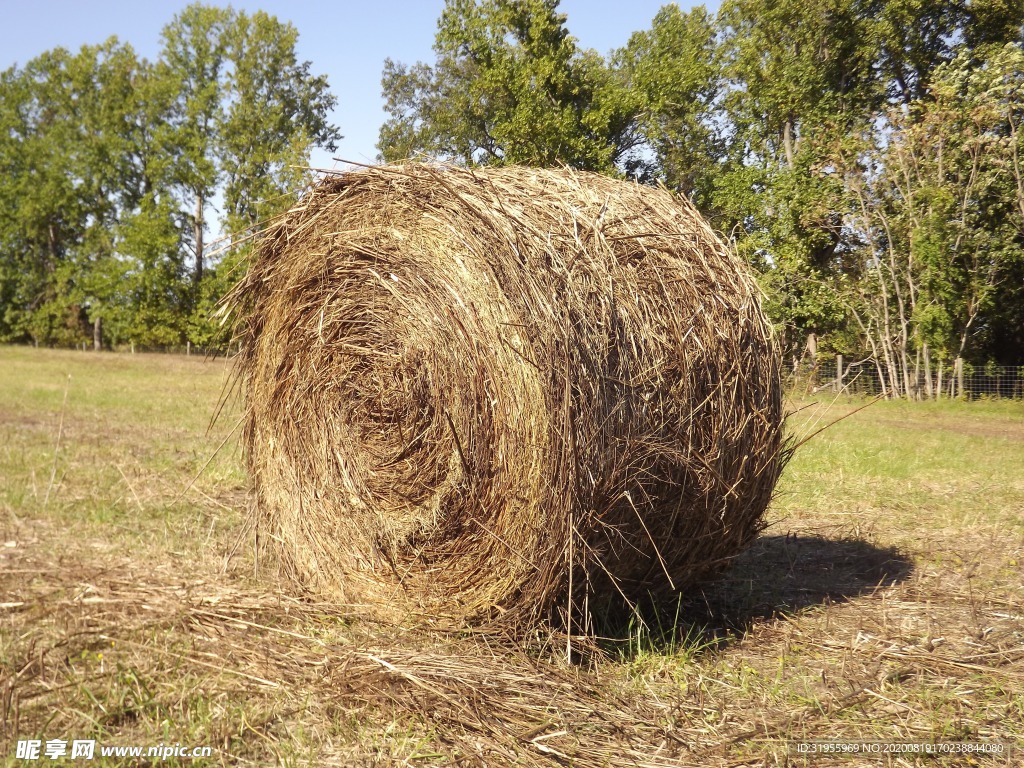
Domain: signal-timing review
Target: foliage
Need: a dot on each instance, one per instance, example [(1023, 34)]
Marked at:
[(509, 85), (110, 166), (795, 92), (243, 117), (819, 88), (864, 156), (66, 178), (676, 73), (940, 212)]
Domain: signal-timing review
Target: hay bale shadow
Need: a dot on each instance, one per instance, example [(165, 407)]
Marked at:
[(778, 576)]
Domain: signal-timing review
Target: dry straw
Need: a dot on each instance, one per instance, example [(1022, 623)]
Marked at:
[(505, 395)]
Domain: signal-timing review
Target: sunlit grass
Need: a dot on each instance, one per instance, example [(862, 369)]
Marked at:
[(883, 601), (896, 464), (90, 440)]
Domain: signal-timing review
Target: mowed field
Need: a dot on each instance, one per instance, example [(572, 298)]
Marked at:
[(885, 603)]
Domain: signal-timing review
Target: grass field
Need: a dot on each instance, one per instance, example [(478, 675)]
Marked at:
[(885, 602)]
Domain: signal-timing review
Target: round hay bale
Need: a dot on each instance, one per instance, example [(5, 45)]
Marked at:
[(510, 394)]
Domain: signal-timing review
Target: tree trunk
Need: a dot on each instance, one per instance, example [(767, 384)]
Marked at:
[(197, 231), (51, 244), (881, 377), (97, 334), (928, 392), (787, 140), (905, 364), (908, 97), (917, 375)]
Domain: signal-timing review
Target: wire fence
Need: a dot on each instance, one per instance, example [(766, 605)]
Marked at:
[(187, 349), (951, 380), (957, 380)]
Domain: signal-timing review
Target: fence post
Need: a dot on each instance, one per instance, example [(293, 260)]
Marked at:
[(188, 348), (958, 370), (839, 373)]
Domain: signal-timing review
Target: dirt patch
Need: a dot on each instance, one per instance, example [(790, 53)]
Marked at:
[(15, 419), (1006, 430)]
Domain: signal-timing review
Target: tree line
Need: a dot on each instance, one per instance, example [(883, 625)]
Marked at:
[(864, 156), (115, 170)]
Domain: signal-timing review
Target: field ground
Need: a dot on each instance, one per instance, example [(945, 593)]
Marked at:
[(885, 602)]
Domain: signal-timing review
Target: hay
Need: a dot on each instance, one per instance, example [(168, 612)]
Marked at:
[(507, 395)]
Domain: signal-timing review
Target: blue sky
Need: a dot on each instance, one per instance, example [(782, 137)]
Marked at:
[(347, 41)]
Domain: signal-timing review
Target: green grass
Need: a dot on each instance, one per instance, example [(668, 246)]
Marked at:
[(114, 441), (883, 602), (959, 463)]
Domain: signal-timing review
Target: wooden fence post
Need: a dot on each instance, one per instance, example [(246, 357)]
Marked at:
[(958, 370), (839, 373)]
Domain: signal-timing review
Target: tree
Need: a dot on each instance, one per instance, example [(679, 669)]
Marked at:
[(65, 154), (914, 37), (158, 285), (156, 295), (28, 247), (810, 85), (192, 63), (509, 86), (675, 69), (276, 110), (797, 69), (939, 209), (111, 165), (800, 83), (243, 119)]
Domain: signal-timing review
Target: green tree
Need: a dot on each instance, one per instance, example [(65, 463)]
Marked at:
[(28, 246), (276, 110), (244, 117), (65, 153), (156, 291), (809, 83), (192, 64), (943, 219), (158, 287), (800, 83), (509, 85), (675, 70), (914, 37), (797, 70), (111, 167)]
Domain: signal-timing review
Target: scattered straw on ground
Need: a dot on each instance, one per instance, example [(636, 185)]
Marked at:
[(116, 649)]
